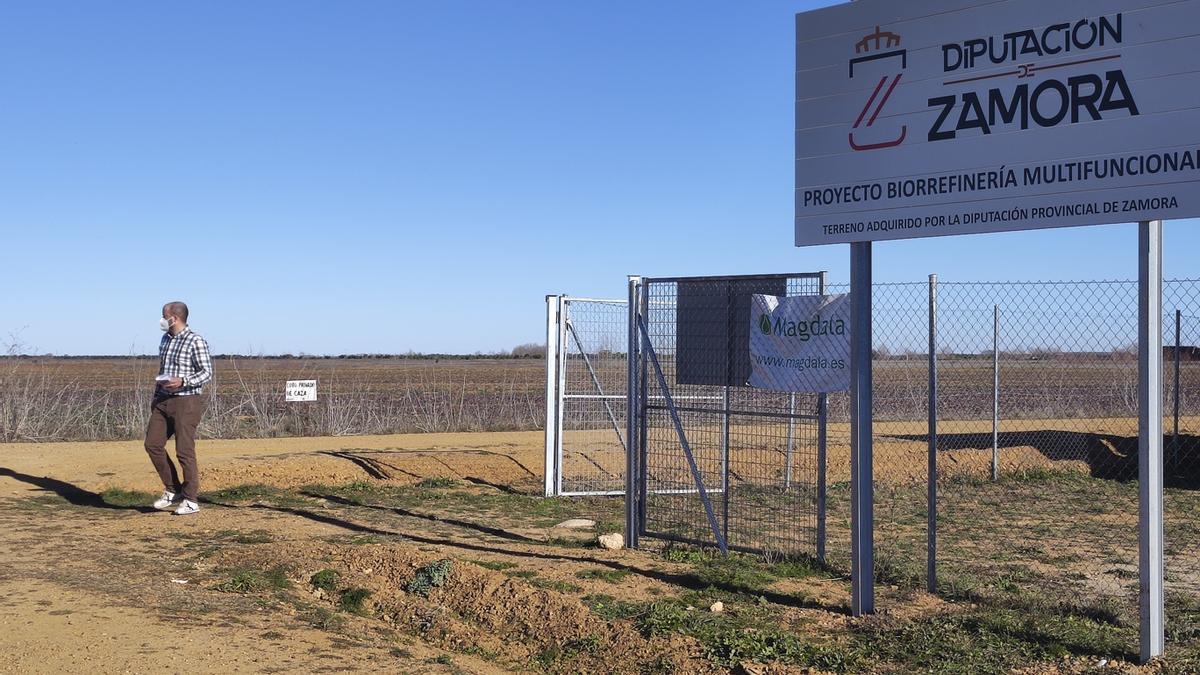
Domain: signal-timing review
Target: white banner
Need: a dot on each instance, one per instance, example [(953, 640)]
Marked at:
[(800, 344), (943, 117), (300, 390)]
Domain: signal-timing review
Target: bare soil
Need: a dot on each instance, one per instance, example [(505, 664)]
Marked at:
[(91, 577)]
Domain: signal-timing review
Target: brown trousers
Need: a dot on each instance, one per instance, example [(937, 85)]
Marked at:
[(176, 416)]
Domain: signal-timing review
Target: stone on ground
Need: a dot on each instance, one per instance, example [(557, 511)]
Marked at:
[(612, 542)]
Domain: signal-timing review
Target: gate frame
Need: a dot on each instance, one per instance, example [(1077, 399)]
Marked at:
[(557, 352), (640, 358)]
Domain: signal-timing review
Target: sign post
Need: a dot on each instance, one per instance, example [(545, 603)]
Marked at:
[(946, 117), (1150, 438), (862, 482)]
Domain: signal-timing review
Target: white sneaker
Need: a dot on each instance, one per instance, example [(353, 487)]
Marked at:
[(187, 508), (167, 500)]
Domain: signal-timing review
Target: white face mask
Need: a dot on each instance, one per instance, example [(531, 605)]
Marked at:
[(164, 324)]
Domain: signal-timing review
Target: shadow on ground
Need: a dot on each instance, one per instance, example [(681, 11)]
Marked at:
[(1108, 456), (72, 493)]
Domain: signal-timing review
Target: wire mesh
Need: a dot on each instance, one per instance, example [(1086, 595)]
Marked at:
[(755, 451), (1181, 500), (1037, 450), (1037, 447), (594, 335)]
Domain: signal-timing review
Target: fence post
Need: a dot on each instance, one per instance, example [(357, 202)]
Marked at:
[(642, 317), (995, 392), (822, 446), (632, 474), (564, 312), (1150, 439), (862, 480), (1175, 402), (553, 395), (931, 498)]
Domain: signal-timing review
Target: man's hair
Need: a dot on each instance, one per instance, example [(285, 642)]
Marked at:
[(177, 309)]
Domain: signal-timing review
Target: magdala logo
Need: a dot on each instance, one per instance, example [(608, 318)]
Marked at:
[(764, 324), (880, 48)]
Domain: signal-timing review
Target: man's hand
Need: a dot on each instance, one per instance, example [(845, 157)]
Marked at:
[(173, 383)]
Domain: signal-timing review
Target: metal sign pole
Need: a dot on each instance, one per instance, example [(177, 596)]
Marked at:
[(862, 487), (1150, 438)]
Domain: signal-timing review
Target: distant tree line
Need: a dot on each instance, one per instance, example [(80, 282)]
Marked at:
[(523, 351)]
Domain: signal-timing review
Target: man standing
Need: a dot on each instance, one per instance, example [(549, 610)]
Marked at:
[(184, 367)]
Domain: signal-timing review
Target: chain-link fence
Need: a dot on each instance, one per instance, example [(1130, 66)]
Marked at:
[(1181, 502), (1036, 445), (720, 462)]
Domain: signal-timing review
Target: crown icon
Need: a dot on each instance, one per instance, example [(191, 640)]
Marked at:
[(879, 37)]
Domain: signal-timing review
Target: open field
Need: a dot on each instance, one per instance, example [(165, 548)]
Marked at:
[(429, 553), (47, 399)]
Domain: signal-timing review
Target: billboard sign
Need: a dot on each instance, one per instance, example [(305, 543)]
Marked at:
[(941, 117)]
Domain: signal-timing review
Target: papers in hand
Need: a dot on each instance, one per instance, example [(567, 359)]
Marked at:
[(162, 378)]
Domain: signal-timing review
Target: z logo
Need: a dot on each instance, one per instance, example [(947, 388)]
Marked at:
[(887, 85)]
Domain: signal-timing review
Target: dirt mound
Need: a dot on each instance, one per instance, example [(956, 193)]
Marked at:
[(393, 466), (480, 611)]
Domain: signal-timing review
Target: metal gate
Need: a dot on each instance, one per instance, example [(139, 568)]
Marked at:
[(586, 369), (716, 462)]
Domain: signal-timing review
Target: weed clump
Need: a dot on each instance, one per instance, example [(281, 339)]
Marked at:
[(325, 580), (251, 581), (353, 600), (430, 577)]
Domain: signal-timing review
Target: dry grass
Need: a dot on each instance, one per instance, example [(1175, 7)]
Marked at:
[(44, 399)]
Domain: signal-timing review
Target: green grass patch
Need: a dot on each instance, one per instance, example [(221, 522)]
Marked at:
[(326, 580), (555, 585), (736, 572), (495, 565), (609, 608), (749, 631), (257, 493), (550, 656), (252, 581), (569, 542), (438, 482), (988, 640), (602, 574), (609, 526), (353, 600), (120, 497)]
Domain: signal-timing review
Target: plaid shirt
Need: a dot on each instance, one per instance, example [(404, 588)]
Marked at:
[(185, 356)]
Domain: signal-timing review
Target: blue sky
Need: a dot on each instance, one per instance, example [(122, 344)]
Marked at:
[(328, 177)]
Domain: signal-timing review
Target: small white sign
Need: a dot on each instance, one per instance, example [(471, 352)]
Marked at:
[(301, 390), (800, 344)]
